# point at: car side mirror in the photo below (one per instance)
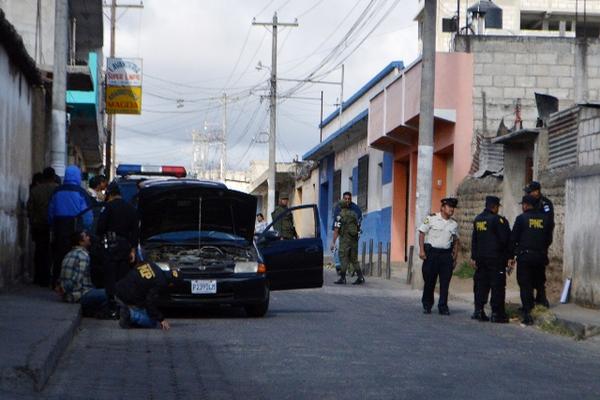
(269, 236)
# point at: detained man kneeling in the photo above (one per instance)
(75, 283)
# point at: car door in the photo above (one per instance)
(295, 263)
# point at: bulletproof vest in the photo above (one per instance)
(487, 231)
(349, 226)
(535, 228)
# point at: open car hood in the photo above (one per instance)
(174, 206)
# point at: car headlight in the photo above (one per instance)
(246, 267)
(164, 266)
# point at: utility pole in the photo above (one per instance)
(112, 120)
(426, 123)
(58, 150)
(224, 140)
(341, 97)
(273, 110)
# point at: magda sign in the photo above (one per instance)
(123, 100)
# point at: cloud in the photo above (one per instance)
(197, 43)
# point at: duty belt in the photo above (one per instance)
(432, 249)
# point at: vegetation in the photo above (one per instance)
(464, 271)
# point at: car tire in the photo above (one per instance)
(258, 310)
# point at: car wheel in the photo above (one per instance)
(257, 310)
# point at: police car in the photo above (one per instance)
(129, 177)
(205, 232)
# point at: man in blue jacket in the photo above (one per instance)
(68, 201)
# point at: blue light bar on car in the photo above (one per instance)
(137, 169)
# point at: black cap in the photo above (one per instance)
(450, 201)
(492, 201)
(528, 200)
(534, 185)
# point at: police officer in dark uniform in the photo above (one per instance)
(489, 250)
(438, 248)
(118, 225)
(284, 226)
(530, 239)
(140, 291)
(543, 204)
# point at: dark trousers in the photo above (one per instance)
(116, 266)
(41, 257)
(439, 263)
(490, 275)
(528, 267)
(62, 232)
(539, 284)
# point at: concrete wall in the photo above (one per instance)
(582, 253)
(506, 69)
(582, 227)
(23, 15)
(511, 10)
(16, 104)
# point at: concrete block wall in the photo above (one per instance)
(507, 69)
(588, 140)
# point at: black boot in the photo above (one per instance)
(360, 280)
(499, 318)
(527, 319)
(480, 315)
(342, 280)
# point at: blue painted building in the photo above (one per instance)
(347, 163)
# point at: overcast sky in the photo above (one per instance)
(195, 50)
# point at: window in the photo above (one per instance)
(337, 186)
(363, 182)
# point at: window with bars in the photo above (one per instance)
(363, 182)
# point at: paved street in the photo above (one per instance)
(334, 343)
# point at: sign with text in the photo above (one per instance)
(124, 71)
(123, 100)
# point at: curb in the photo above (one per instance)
(579, 330)
(40, 365)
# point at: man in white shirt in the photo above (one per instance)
(438, 248)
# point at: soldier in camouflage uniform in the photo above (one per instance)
(284, 226)
(347, 228)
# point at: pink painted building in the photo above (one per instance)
(393, 127)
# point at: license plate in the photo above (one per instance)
(204, 287)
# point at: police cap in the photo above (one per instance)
(450, 201)
(491, 201)
(534, 185)
(528, 200)
(284, 196)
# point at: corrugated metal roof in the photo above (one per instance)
(562, 138)
(488, 158)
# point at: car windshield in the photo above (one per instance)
(195, 236)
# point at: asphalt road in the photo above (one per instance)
(369, 342)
